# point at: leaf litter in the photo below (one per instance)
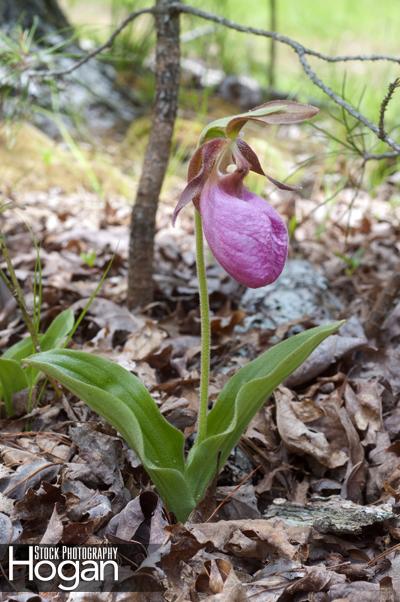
(307, 505)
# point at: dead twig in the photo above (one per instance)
(385, 102)
(107, 44)
(233, 492)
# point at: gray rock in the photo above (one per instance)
(302, 290)
(241, 89)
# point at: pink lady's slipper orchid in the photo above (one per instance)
(246, 235)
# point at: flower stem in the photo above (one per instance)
(205, 330)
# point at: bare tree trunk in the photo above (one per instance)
(47, 15)
(141, 246)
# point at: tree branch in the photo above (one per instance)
(385, 102)
(190, 10)
(313, 77)
(301, 51)
(107, 44)
(182, 8)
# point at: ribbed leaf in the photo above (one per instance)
(12, 380)
(20, 350)
(58, 330)
(242, 397)
(60, 327)
(124, 402)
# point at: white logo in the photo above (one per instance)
(69, 565)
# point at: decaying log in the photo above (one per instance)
(330, 515)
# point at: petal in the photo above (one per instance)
(274, 112)
(246, 235)
(199, 169)
(244, 155)
(191, 193)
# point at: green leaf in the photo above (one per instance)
(241, 398)
(124, 402)
(58, 330)
(53, 337)
(12, 380)
(20, 350)
(274, 112)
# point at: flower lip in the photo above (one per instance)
(246, 235)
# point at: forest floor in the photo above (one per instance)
(306, 507)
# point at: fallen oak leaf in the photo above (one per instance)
(78, 533)
(141, 521)
(299, 438)
(316, 579)
(37, 505)
(368, 592)
(85, 503)
(28, 475)
(219, 577)
(148, 339)
(258, 538)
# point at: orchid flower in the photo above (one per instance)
(246, 235)
(249, 239)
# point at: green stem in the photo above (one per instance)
(18, 294)
(205, 331)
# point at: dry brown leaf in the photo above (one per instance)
(214, 575)
(301, 439)
(6, 529)
(110, 316)
(256, 538)
(364, 404)
(141, 520)
(316, 579)
(26, 476)
(139, 345)
(354, 592)
(100, 453)
(82, 502)
(54, 530)
(223, 582)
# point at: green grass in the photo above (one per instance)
(345, 27)
(357, 26)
